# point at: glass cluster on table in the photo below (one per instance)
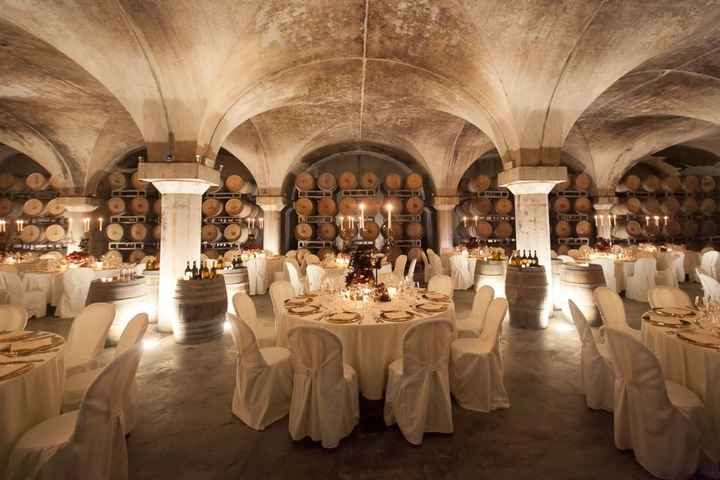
(709, 318)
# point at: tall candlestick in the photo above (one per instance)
(475, 218)
(362, 216)
(100, 224)
(86, 225)
(465, 221)
(261, 222)
(389, 209)
(647, 221)
(657, 221)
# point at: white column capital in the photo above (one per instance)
(271, 203)
(179, 177)
(445, 202)
(529, 180)
(192, 187)
(79, 204)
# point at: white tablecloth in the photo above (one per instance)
(336, 275)
(695, 367)
(623, 270)
(29, 399)
(50, 283)
(369, 347)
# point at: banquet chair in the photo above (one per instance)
(608, 267)
(85, 443)
(666, 271)
(315, 275)
(710, 263)
(325, 404)
(706, 249)
(436, 266)
(690, 263)
(596, 375)
(427, 268)
(663, 296)
(678, 263)
(76, 284)
(710, 286)
(461, 278)
(476, 372)
(639, 283)
(257, 275)
(263, 379)
(86, 339)
(471, 326)
(417, 396)
(34, 301)
(13, 317)
(291, 253)
(297, 280)
(612, 310)
(441, 284)
(398, 272)
(311, 259)
(661, 421)
(410, 277)
(279, 292)
(245, 309)
(76, 385)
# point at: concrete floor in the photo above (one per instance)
(187, 431)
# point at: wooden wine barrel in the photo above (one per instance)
(670, 206)
(396, 203)
(55, 208)
(689, 206)
(503, 206)
(138, 232)
(327, 181)
(479, 183)
(371, 231)
(484, 229)
(369, 181)
(674, 228)
(708, 206)
(415, 253)
(115, 232)
(200, 307)
(556, 266)
(672, 184)
(633, 228)
(492, 273)
(8, 181)
(210, 233)
(34, 208)
(326, 231)
(348, 206)
(619, 209)
(562, 205)
(583, 228)
(373, 205)
(212, 254)
(234, 231)
(347, 233)
(690, 228)
(708, 228)
(414, 231)
(324, 252)
(304, 207)
(37, 182)
(583, 205)
(117, 180)
(136, 183)
(305, 181)
(116, 206)
(326, 206)
(139, 206)
(234, 183)
(528, 296)
(10, 209)
(651, 183)
(393, 253)
(234, 207)
(691, 184)
(129, 299)
(136, 256)
(152, 293)
(396, 231)
(479, 207)
(632, 182)
(634, 205)
(304, 231)
(32, 234)
(347, 180)
(414, 205)
(577, 283)
(503, 229)
(582, 182)
(707, 184)
(563, 250)
(563, 229)
(651, 206)
(393, 181)
(414, 181)
(157, 233)
(54, 233)
(212, 207)
(562, 186)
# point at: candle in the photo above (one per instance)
(475, 218)
(657, 221)
(389, 209)
(614, 221)
(100, 224)
(465, 221)
(261, 222)
(86, 225)
(596, 220)
(666, 220)
(647, 221)
(362, 216)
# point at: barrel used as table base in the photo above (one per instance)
(527, 293)
(236, 281)
(200, 307)
(577, 283)
(128, 296)
(492, 273)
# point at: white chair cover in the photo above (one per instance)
(612, 310)
(76, 283)
(710, 263)
(608, 267)
(711, 287)
(311, 259)
(86, 443)
(427, 268)
(279, 292)
(690, 263)
(410, 277)
(596, 375)
(666, 270)
(417, 396)
(245, 309)
(297, 281)
(13, 317)
(566, 258)
(477, 367)
(394, 277)
(435, 264)
(263, 379)
(34, 301)
(315, 275)
(461, 278)
(291, 253)
(706, 249)
(678, 263)
(441, 284)
(257, 275)
(87, 336)
(471, 326)
(325, 404)
(668, 297)
(638, 284)
(661, 421)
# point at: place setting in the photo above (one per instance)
(17, 346)
(671, 317)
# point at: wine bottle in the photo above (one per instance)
(203, 271)
(220, 265)
(195, 271)
(188, 272)
(536, 261)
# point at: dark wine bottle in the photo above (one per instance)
(195, 271)
(188, 271)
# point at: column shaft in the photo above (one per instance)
(445, 229)
(272, 206)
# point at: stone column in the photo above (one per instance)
(76, 210)
(445, 205)
(181, 185)
(531, 186)
(603, 214)
(272, 205)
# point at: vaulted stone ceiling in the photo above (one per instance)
(597, 84)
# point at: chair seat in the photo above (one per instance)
(471, 346)
(275, 355)
(265, 334)
(52, 432)
(75, 386)
(467, 328)
(682, 398)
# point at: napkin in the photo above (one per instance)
(344, 316)
(298, 301)
(10, 370)
(701, 336)
(31, 345)
(396, 315)
(305, 309)
(653, 317)
(14, 336)
(432, 307)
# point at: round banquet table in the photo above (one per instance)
(693, 366)
(51, 283)
(29, 398)
(369, 345)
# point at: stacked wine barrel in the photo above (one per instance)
(669, 208)
(486, 211)
(571, 210)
